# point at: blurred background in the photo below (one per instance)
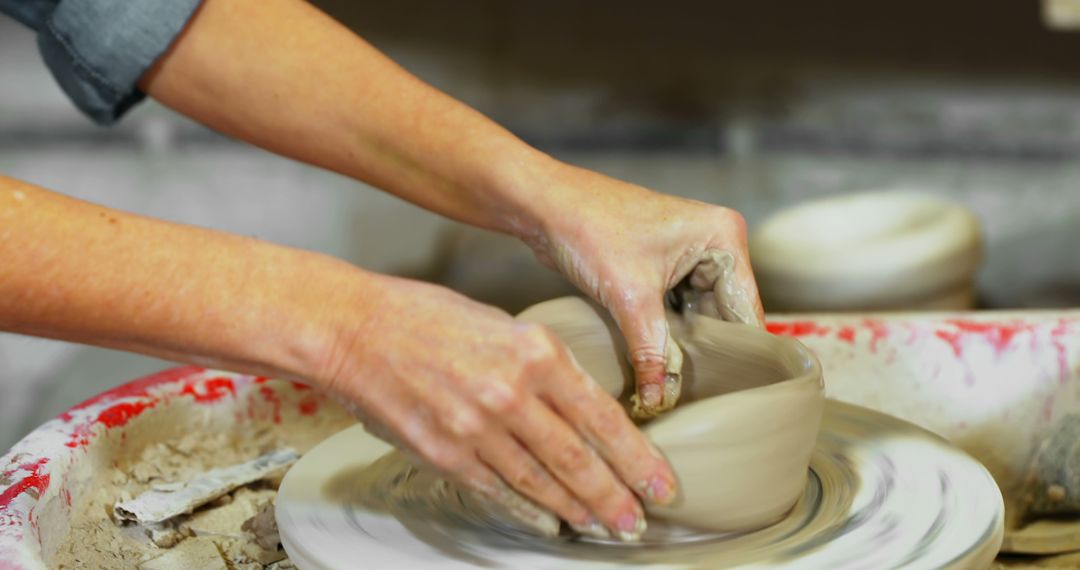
(753, 105)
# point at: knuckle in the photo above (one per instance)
(646, 355)
(465, 424)
(737, 221)
(501, 397)
(731, 218)
(539, 345)
(571, 458)
(608, 423)
(530, 479)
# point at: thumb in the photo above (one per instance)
(722, 288)
(656, 358)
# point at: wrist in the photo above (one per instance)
(526, 182)
(559, 200)
(304, 315)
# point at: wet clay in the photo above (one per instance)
(741, 437)
(710, 289)
(740, 440)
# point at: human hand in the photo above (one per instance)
(498, 406)
(626, 247)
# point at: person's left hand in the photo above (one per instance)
(626, 247)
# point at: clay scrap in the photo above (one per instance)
(167, 500)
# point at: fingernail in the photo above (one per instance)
(650, 395)
(630, 527)
(658, 490)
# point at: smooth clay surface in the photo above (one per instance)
(870, 251)
(740, 438)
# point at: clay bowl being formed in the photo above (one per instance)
(741, 437)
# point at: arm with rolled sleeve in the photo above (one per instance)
(485, 399)
(98, 49)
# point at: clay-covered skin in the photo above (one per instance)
(713, 289)
(741, 438)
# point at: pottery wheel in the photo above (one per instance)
(882, 493)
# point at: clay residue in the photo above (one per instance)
(239, 526)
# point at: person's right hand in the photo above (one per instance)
(490, 402)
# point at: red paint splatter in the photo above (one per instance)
(111, 417)
(952, 338)
(136, 388)
(309, 405)
(213, 389)
(35, 481)
(1056, 341)
(846, 333)
(998, 335)
(261, 379)
(300, 386)
(878, 332)
(797, 328)
(139, 390)
(120, 414)
(272, 398)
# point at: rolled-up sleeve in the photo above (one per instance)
(98, 49)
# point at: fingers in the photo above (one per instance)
(580, 470)
(724, 287)
(519, 469)
(499, 497)
(743, 284)
(605, 426)
(451, 436)
(656, 358)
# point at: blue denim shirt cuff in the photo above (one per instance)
(98, 49)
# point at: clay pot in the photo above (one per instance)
(869, 251)
(741, 438)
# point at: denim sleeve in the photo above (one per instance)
(98, 49)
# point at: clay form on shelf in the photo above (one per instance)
(892, 250)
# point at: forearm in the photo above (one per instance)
(76, 271)
(286, 77)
